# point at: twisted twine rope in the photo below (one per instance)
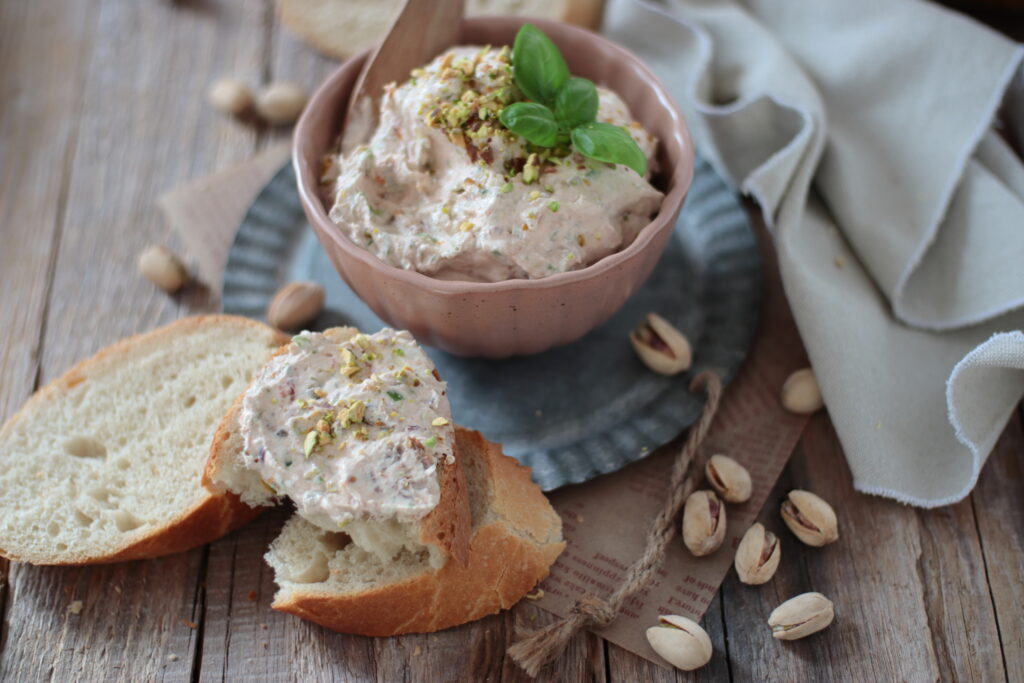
(535, 650)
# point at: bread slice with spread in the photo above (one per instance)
(356, 430)
(515, 537)
(105, 463)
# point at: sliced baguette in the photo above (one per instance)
(104, 464)
(516, 537)
(444, 530)
(341, 28)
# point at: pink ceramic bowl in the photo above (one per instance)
(515, 316)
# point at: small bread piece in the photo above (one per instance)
(516, 537)
(444, 530)
(104, 464)
(341, 28)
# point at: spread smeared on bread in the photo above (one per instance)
(349, 428)
(356, 430)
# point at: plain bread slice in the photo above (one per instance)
(105, 463)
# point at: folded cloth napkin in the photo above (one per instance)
(864, 130)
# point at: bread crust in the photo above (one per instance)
(510, 551)
(447, 526)
(212, 516)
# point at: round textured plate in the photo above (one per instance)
(573, 412)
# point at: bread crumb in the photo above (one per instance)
(417, 651)
(579, 518)
(538, 413)
(265, 645)
(263, 626)
(172, 658)
(251, 596)
(190, 624)
(117, 588)
(839, 262)
(75, 607)
(536, 595)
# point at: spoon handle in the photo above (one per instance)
(421, 31)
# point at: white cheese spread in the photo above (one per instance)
(442, 188)
(350, 428)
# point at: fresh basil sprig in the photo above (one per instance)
(564, 107)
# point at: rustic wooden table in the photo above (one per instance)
(101, 110)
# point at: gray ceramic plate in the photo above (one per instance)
(573, 412)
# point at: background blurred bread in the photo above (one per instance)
(342, 28)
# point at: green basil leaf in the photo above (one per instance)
(533, 121)
(576, 102)
(605, 142)
(537, 65)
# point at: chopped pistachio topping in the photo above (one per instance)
(310, 443)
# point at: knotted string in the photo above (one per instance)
(533, 651)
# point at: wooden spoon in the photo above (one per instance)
(421, 31)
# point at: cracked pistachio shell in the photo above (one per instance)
(661, 346)
(757, 556)
(680, 641)
(810, 518)
(703, 523)
(801, 616)
(801, 394)
(729, 478)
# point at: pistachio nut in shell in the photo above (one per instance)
(729, 478)
(160, 266)
(281, 103)
(801, 393)
(801, 616)
(703, 523)
(230, 96)
(295, 304)
(757, 556)
(661, 346)
(680, 641)
(810, 518)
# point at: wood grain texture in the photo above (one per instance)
(130, 92)
(40, 83)
(998, 504)
(906, 585)
(103, 111)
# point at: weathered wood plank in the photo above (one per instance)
(1000, 517)
(906, 585)
(142, 126)
(40, 84)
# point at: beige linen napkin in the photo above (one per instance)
(864, 131)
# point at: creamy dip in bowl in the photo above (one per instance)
(504, 313)
(443, 188)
